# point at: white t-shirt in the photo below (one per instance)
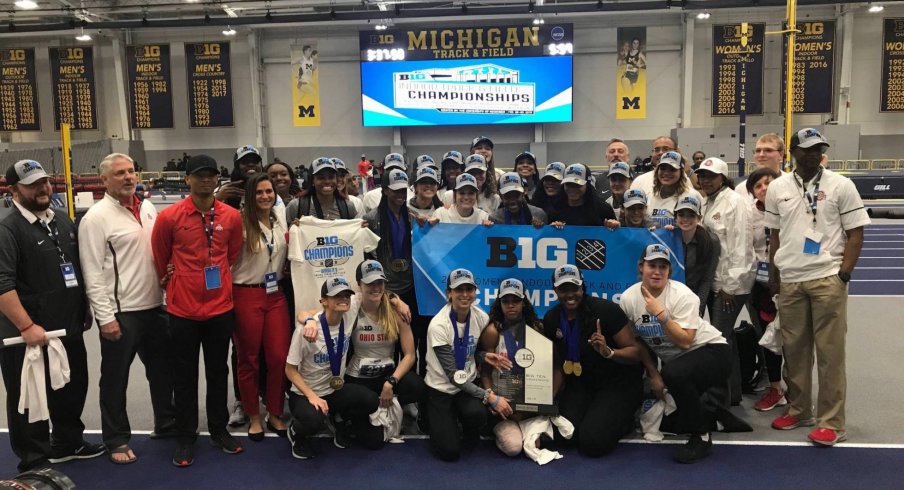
(312, 358)
(251, 267)
(838, 208)
(373, 355)
(322, 249)
(488, 204)
(661, 210)
(450, 215)
(684, 308)
(359, 205)
(440, 333)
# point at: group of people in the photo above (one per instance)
(352, 362)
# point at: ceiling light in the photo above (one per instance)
(539, 21)
(83, 36)
(26, 4)
(703, 15)
(875, 9)
(229, 31)
(230, 11)
(192, 1)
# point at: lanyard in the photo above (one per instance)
(811, 199)
(571, 336)
(208, 232)
(270, 244)
(334, 351)
(398, 236)
(511, 344)
(54, 234)
(459, 345)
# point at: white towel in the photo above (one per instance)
(651, 417)
(33, 394)
(391, 420)
(533, 428)
(59, 364)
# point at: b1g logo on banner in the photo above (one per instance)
(607, 259)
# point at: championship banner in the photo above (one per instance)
(735, 65)
(631, 74)
(18, 90)
(305, 85)
(209, 73)
(608, 259)
(814, 68)
(150, 86)
(891, 85)
(72, 83)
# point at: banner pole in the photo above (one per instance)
(789, 81)
(67, 168)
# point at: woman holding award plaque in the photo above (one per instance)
(598, 375)
(452, 396)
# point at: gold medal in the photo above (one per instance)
(578, 369)
(568, 367)
(337, 383)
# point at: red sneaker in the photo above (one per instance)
(771, 399)
(788, 422)
(827, 437)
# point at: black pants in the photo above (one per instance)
(601, 413)
(445, 412)
(33, 443)
(145, 333)
(688, 376)
(188, 338)
(410, 389)
(724, 321)
(760, 298)
(353, 403)
(419, 326)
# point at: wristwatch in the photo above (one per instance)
(392, 380)
(845, 276)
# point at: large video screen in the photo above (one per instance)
(467, 75)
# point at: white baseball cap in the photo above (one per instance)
(460, 277)
(634, 197)
(510, 182)
(453, 155)
(671, 158)
(511, 286)
(576, 173)
(25, 172)
(688, 202)
(426, 173)
(321, 164)
(398, 179)
(424, 161)
(620, 168)
(243, 151)
(370, 271)
(466, 180)
(655, 251)
(807, 138)
(394, 160)
(335, 285)
(567, 273)
(475, 161)
(714, 165)
(556, 170)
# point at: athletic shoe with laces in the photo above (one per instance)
(301, 445)
(827, 437)
(695, 450)
(773, 397)
(342, 437)
(184, 455)
(788, 422)
(85, 451)
(226, 442)
(238, 416)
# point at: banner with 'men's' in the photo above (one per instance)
(607, 259)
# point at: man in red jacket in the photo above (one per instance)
(202, 238)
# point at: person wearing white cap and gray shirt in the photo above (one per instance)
(817, 219)
(323, 199)
(463, 208)
(487, 198)
(483, 146)
(372, 197)
(620, 178)
(426, 200)
(669, 186)
(515, 210)
(597, 375)
(41, 290)
(451, 167)
(634, 212)
(343, 176)
(245, 161)
(550, 187)
(452, 396)
(694, 355)
(725, 214)
(702, 248)
(579, 204)
(526, 167)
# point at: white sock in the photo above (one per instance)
(705, 437)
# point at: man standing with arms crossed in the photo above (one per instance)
(122, 287)
(817, 219)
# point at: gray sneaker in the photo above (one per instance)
(238, 416)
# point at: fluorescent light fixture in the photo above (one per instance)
(229, 31)
(381, 6)
(875, 9)
(539, 21)
(26, 4)
(703, 15)
(83, 36)
(192, 1)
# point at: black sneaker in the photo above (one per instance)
(342, 437)
(301, 445)
(731, 422)
(695, 450)
(226, 442)
(85, 451)
(184, 455)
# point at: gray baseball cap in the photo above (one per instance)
(25, 172)
(567, 273)
(511, 286)
(808, 138)
(370, 271)
(460, 277)
(655, 251)
(335, 285)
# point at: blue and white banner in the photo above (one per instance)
(608, 259)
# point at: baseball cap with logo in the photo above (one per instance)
(394, 160)
(335, 285)
(200, 162)
(671, 158)
(244, 151)
(25, 172)
(339, 164)
(424, 161)
(370, 271)
(481, 139)
(808, 138)
(526, 154)
(460, 277)
(427, 173)
(655, 251)
(322, 164)
(465, 180)
(567, 273)
(511, 286)
(396, 179)
(714, 165)
(555, 170)
(453, 155)
(476, 162)
(634, 197)
(620, 168)
(576, 173)
(688, 202)
(510, 182)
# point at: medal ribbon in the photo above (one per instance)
(397, 229)
(333, 350)
(570, 334)
(459, 345)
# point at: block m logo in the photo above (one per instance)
(306, 111)
(628, 103)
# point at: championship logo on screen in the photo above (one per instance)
(478, 89)
(328, 251)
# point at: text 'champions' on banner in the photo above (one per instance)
(467, 75)
(891, 87)
(737, 79)
(814, 68)
(631, 74)
(209, 76)
(72, 79)
(150, 86)
(18, 90)
(305, 85)
(607, 259)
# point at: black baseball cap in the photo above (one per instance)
(200, 162)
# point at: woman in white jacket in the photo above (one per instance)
(726, 214)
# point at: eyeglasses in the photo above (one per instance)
(662, 149)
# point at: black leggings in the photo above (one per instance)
(353, 402)
(419, 326)
(688, 376)
(601, 414)
(445, 411)
(410, 389)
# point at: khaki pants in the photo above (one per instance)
(814, 313)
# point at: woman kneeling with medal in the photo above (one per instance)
(599, 383)
(452, 396)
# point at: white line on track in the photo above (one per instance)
(858, 268)
(883, 248)
(877, 280)
(870, 258)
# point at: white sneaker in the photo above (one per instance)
(238, 416)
